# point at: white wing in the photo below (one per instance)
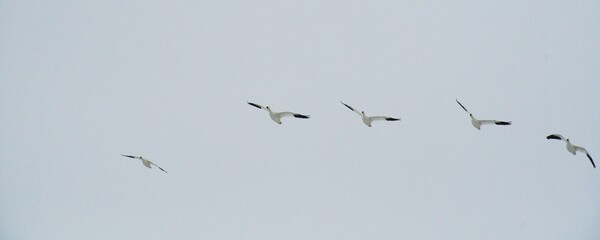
(290, 114)
(496, 122)
(158, 167)
(378, 118)
(582, 150)
(354, 110)
(285, 114)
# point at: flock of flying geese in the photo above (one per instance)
(367, 120)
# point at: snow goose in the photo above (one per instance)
(570, 147)
(146, 162)
(477, 123)
(276, 116)
(367, 119)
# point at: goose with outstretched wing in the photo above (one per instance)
(477, 123)
(369, 119)
(146, 162)
(573, 149)
(277, 116)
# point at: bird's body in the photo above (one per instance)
(277, 116)
(573, 149)
(146, 162)
(478, 123)
(367, 120)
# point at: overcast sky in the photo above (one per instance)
(82, 82)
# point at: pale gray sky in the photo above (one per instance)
(82, 82)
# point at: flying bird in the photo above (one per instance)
(146, 162)
(276, 116)
(570, 147)
(367, 119)
(477, 123)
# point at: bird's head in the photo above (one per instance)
(267, 107)
(363, 112)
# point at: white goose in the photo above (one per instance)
(146, 162)
(367, 119)
(276, 116)
(570, 147)
(477, 123)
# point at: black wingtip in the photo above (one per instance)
(127, 156)
(591, 160)
(392, 119)
(503, 123)
(553, 137)
(301, 116)
(347, 106)
(463, 107)
(255, 105)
